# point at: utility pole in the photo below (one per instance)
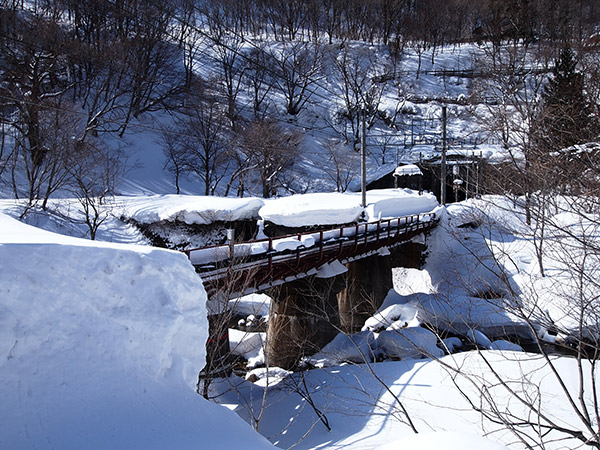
(443, 162)
(363, 159)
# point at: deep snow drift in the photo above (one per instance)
(100, 347)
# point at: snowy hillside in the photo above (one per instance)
(411, 129)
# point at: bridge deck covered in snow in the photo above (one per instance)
(257, 265)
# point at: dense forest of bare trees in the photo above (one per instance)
(395, 21)
(73, 71)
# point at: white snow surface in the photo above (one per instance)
(100, 345)
(331, 269)
(407, 170)
(252, 304)
(100, 348)
(365, 415)
(338, 208)
(345, 348)
(409, 342)
(190, 209)
(447, 440)
(246, 344)
(312, 209)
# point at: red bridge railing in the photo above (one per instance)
(259, 264)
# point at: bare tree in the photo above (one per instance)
(202, 135)
(174, 149)
(286, 18)
(299, 66)
(34, 81)
(95, 174)
(345, 162)
(514, 108)
(272, 150)
(261, 78)
(228, 50)
(359, 89)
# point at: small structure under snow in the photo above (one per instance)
(407, 170)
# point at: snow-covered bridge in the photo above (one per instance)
(242, 268)
(313, 305)
(330, 278)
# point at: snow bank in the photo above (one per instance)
(402, 314)
(387, 203)
(345, 348)
(247, 345)
(191, 209)
(252, 304)
(337, 208)
(312, 209)
(408, 343)
(100, 347)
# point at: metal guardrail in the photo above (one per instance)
(257, 265)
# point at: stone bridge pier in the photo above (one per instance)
(303, 318)
(369, 281)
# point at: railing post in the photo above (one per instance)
(321, 243)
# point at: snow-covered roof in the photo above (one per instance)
(407, 170)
